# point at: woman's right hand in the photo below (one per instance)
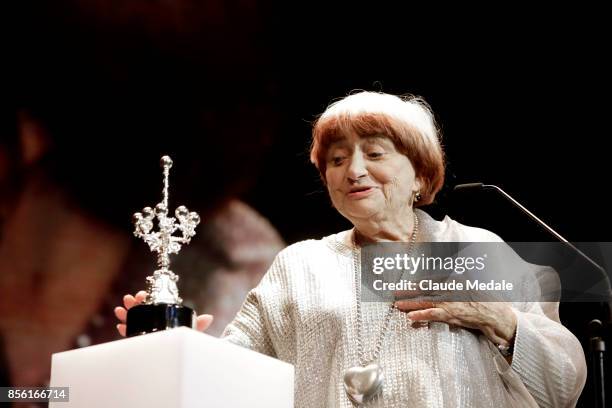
(129, 301)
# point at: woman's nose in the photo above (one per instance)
(356, 168)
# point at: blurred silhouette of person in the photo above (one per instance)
(99, 92)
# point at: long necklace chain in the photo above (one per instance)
(363, 361)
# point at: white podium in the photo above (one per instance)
(178, 368)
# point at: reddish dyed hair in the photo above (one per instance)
(408, 122)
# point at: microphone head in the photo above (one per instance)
(468, 186)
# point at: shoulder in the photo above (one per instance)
(313, 248)
(450, 230)
(472, 234)
(304, 261)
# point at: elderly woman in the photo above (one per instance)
(380, 157)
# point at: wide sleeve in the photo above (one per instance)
(261, 317)
(548, 358)
(248, 329)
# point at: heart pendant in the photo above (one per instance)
(362, 383)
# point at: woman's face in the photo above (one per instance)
(367, 178)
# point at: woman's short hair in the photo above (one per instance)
(408, 121)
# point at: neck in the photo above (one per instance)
(386, 230)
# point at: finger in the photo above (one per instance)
(141, 296)
(490, 333)
(129, 301)
(203, 322)
(435, 314)
(407, 305)
(121, 313)
(407, 294)
(422, 295)
(121, 329)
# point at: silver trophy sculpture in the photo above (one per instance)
(162, 308)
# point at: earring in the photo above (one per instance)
(417, 197)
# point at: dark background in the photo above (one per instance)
(521, 103)
(521, 98)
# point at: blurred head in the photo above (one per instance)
(113, 87)
(376, 151)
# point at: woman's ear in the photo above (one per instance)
(418, 184)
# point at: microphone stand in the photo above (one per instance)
(597, 345)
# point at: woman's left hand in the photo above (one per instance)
(496, 320)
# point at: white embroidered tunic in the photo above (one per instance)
(304, 312)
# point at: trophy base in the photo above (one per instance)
(142, 319)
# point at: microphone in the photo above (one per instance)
(481, 186)
(468, 186)
(596, 341)
(600, 269)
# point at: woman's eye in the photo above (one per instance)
(337, 160)
(375, 155)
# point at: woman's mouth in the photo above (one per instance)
(359, 192)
